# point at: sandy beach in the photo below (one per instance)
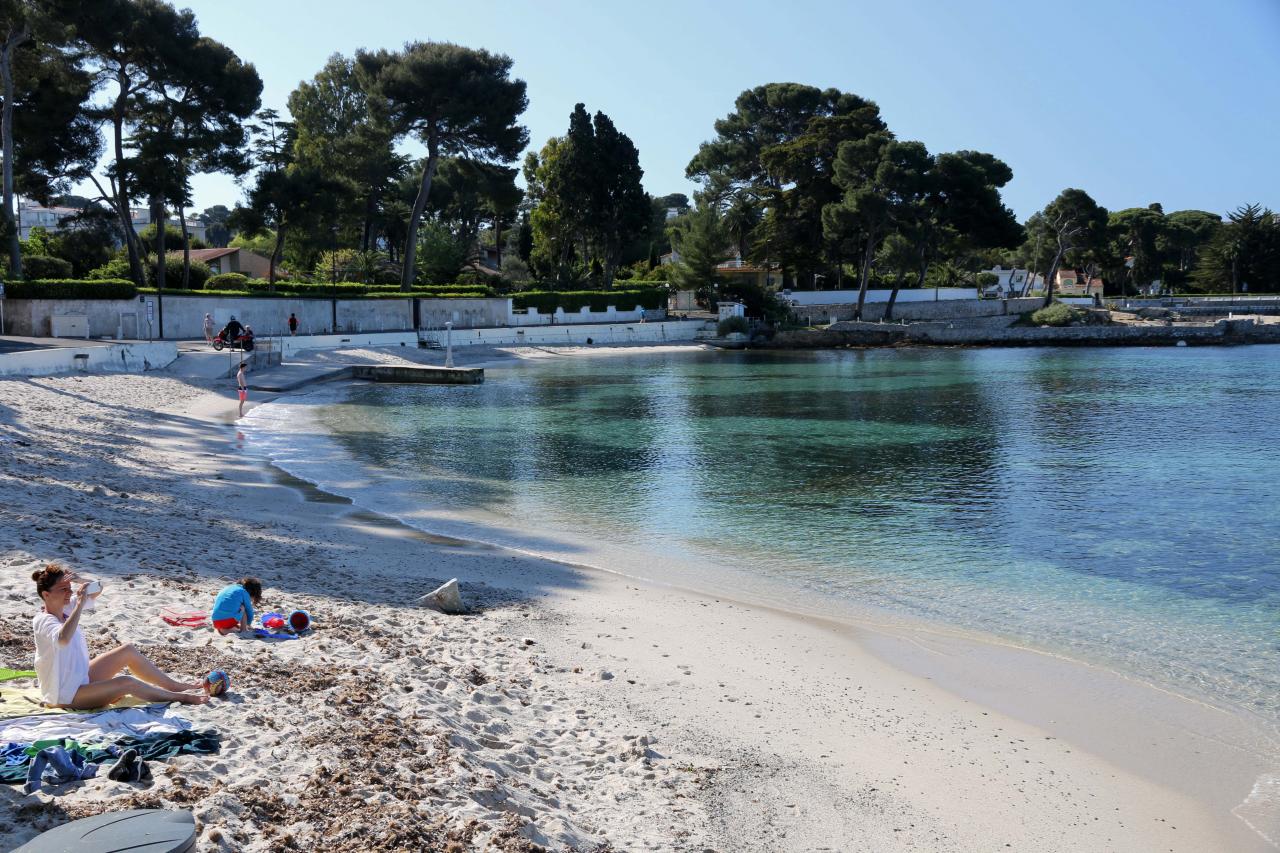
(572, 709)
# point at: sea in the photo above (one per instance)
(1120, 506)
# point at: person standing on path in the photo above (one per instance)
(242, 389)
(293, 323)
(208, 328)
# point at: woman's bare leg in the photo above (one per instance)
(98, 694)
(109, 664)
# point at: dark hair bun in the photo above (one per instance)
(36, 575)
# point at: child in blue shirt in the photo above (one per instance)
(233, 608)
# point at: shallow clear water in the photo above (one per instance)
(1119, 505)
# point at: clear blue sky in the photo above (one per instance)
(1134, 102)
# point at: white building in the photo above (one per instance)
(1011, 282)
(32, 215)
(141, 217)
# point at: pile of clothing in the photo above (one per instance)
(57, 748)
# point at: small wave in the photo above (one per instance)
(1260, 811)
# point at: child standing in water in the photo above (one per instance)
(242, 389)
(233, 608)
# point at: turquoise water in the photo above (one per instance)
(1119, 505)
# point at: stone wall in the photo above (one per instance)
(108, 318)
(946, 309)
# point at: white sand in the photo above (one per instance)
(575, 709)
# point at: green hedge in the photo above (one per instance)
(547, 301)
(227, 281)
(42, 268)
(71, 288)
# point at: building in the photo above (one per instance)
(32, 215)
(1011, 283)
(242, 261)
(735, 270)
(1070, 282)
(141, 217)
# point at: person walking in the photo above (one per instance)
(242, 388)
(208, 328)
(293, 323)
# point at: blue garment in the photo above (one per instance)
(56, 766)
(14, 753)
(230, 601)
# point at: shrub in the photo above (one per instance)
(39, 267)
(547, 301)
(1057, 314)
(116, 268)
(227, 281)
(200, 272)
(729, 325)
(71, 289)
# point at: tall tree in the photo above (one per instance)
(132, 47)
(47, 139)
(1136, 236)
(700, 240)
(337, 132)
(882, 179)
(779, 146)
(1244, 254)
(1072, 223)
(215, 219)
(619, 205)
(952, 209)
(455, 100)
(1187, 232)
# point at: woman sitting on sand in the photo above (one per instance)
(68, 679)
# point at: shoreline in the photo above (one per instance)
(795, 728)
(1071, 696)
(1099, 709)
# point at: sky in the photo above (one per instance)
(1135, 102)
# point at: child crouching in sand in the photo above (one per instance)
(233, 608)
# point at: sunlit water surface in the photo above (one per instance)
(1118, 505)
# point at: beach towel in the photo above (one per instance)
(184, 619)
(273, 635)
(26, 701)
(7, 674)
(89, 728)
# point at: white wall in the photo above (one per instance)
(291, 345)
(532, 317)
(577, 334)
(118, 358)
(843, 297)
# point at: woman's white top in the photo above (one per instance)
(61, 670)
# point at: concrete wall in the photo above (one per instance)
(184, 315)
(804, 298)
(108, 358)
(532, 317)
(464, 313)
(290, 345)
(108, 318)
(602, 334)
(953, 309)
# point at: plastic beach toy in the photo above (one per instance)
(299, 621)
(273, 621)
(216, 683)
